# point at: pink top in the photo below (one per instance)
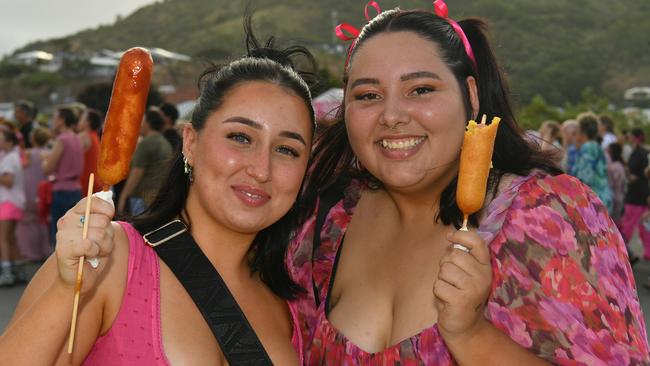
(135, 337)
(68, 169)
(562, 284)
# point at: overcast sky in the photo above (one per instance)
(23, 21)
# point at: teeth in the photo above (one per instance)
(401, 144)
(253, 196)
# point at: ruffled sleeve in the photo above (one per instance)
(562, 283)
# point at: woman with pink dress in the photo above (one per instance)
(542, 276)
(617, 180)
(229, 203)
(31, 232)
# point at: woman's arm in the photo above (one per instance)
(7, 180)
(486, 345)
(84, 137)
(38, 331)
(52, 159)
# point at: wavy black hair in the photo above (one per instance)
(334, 160)
(262, 62)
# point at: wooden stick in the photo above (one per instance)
(80, 270)
(465, 219)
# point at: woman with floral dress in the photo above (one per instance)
(541, 277)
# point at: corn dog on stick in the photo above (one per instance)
(475, 164)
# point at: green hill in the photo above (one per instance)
(555, 48)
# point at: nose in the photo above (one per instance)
(394, 113)
(260, 167)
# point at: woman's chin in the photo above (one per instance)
(401, 181)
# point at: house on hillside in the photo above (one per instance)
(102, 64)
(45, 61)
(637, 97)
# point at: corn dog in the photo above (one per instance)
(475, 164)
(125, 111)
(121, 131)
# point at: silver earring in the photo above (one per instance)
(187, 168)
(357, 164)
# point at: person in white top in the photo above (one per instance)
(606, 131)
(12, 201)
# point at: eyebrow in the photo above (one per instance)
(258, 126)
(405, 77)
(363, 81)
(419, 74)
(293, 135)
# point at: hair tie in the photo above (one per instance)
(442, 11)
(347, 32)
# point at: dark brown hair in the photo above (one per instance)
(334, 160)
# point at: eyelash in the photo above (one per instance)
(366, 96)
(423, 89)
(245, 139)
(288, 151)
(239, 137)
(372, 96)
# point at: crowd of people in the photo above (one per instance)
(45, 168)
(267, 243)
(614, 165)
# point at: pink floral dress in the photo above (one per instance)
(562, 284)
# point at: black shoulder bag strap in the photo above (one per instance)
(325, 203)
(203, 283)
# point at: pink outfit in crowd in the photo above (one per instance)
(135, 336)
(10, 212)
(31, 233)
(632, 220)
(618, 184)
(70, 165)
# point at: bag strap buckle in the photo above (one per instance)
(164, 233)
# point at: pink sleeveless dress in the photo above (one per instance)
(135, 337)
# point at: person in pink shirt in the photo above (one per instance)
(236, 188)
(31, 232)
(65, 162)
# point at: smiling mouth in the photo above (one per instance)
(401, 144)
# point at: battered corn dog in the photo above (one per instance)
(125, 111)
(475, 164)
(121, 131)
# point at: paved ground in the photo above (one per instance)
(9, 296)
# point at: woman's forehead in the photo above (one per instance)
(395, 55)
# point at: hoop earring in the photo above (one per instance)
(188, 169)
